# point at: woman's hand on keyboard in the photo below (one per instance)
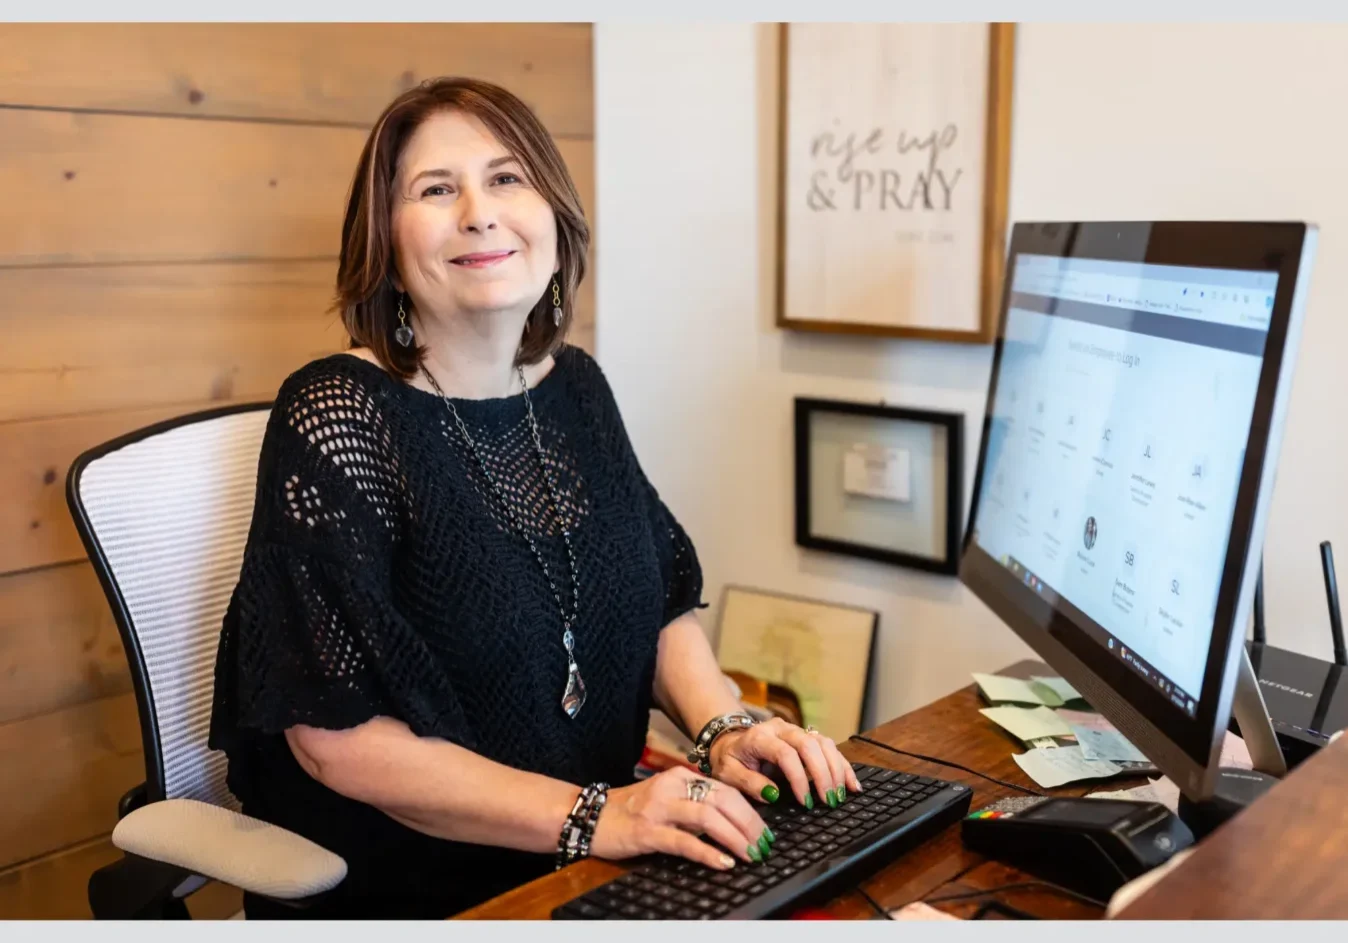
(804, 757)
(658, 815)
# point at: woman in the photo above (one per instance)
(461, 596)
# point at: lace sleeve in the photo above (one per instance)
(313, 634)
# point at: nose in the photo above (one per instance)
(476, 212)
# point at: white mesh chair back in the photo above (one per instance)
(166, 515)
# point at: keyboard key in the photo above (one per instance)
(788, 871)
(905, 779)
(722, 893)
(738, 899)
(923, 781)
(721, 910)
(720, 877)
(829, 848)
(705, 903)
(631, 911)
(683, 898)
(865, 816)
(628, 879)
(668, 908)
(743, 882)
(796, 854)
(648, 900)
(687, 913)
(702, 888)
(883, 776)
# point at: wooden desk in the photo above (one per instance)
(951, 729)
(1283, 858)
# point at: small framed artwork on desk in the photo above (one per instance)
(820, 650)
(880, 482)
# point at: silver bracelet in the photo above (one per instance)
(701, 752)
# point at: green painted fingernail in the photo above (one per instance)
(755, 855)
(842, 793)
(770, 793)
(809, 800)
(831, 798)
(771, 837)
(764, 846)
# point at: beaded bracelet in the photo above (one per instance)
(578, 830)
(700, 754)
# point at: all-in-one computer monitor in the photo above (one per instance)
(1137, 400)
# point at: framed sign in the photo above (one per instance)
(894, 159)
(880, 482)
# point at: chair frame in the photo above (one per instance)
(112, 888)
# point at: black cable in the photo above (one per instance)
(873, 902)
(940, 762)
(1018, 885)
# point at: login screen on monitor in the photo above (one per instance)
(1115, 447)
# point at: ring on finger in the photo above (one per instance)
(699, 789)
(811, 728)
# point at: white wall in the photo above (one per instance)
(1110, 122)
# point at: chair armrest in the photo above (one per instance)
(230, 847)
(133, 799)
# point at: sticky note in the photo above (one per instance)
(999, 689)
(1027, 723)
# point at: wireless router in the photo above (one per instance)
(1307, 698)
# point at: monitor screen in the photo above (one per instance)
(1114, 449)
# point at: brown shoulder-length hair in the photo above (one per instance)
(366, 297)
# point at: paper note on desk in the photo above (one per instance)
(917, 910)
(1028, 723)
(1158, 790)
(1061, 765)
(1235, 753)
(1106, 745)
(999, 689)
(1059, 686)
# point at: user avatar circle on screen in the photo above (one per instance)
(1091, 532)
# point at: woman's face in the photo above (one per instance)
(470, 234)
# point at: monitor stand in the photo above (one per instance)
(1236, 788)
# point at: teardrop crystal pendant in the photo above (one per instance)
(574, 698)
(403, 335)
(557, 316)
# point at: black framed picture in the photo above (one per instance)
(880, 482)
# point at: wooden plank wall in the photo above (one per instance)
(168, 237)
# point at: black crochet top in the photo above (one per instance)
(381, 578)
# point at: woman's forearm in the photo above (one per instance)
(689, 685)
(434, 786)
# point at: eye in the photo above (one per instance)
(508, 178)
(438, 189)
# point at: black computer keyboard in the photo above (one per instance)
(815, 853)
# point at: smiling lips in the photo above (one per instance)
(482, 259)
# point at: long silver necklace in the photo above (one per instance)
(573, 698)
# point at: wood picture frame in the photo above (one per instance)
(865, 272)
(919, 529)
(822, 651)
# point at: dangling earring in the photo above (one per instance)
(403, 334)
(556, 304)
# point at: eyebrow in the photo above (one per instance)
(440, 172)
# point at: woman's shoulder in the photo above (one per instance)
(336, 381)
(341, 391)
(582, 370)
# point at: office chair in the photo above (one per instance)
(164, 514)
